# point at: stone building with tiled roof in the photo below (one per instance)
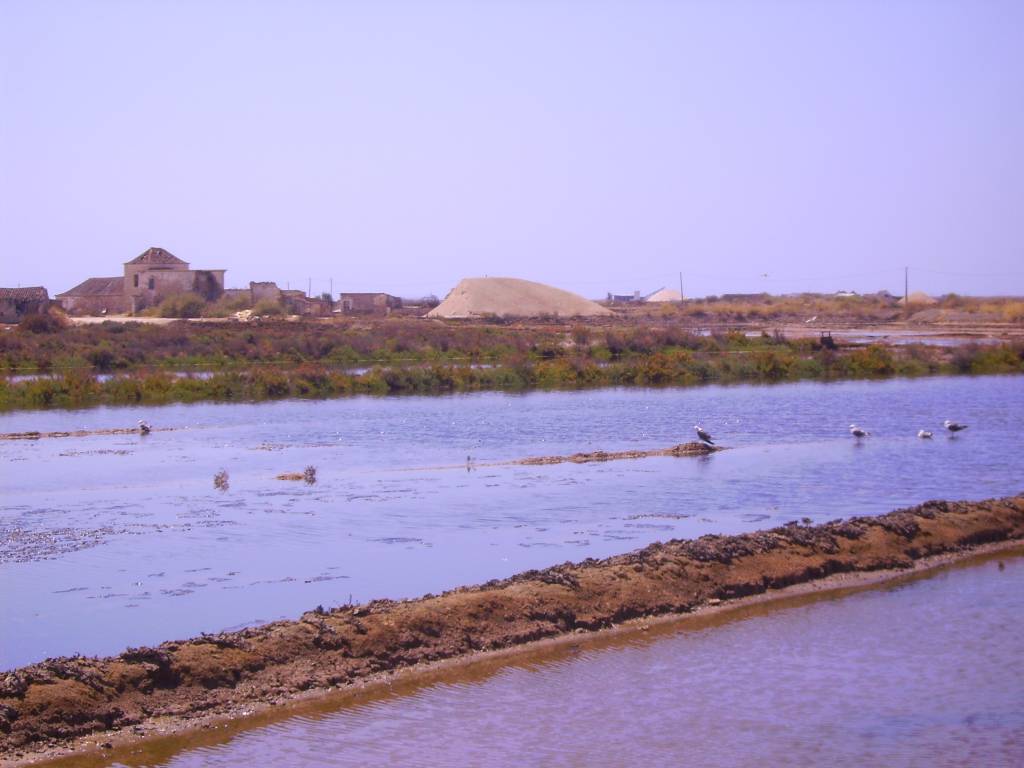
(15, 303)
(148, 279)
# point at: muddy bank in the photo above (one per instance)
(80, 433)
(683, 449)
(178, 683)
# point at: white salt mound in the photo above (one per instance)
(510, 297)
(663, 295)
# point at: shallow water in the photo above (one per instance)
(923, 673)
(111, 541)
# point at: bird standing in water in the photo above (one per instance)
(858, 432)
(924, 433)
(144, 428)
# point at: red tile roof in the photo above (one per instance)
(36, 293)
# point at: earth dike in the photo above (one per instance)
(50, 705)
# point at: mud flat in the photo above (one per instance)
(78, 433)
(76, 701)
(683, 449)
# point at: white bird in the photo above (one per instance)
(924, 433)
(858, 432)
(703, 435)
(953, 426)
(811, 319)
(144, 428)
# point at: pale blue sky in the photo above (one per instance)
(596, 146)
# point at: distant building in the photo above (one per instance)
(148, 279)
(264, 291)
(294, 302)
(845, 294)
(623, 297)
(368, 303)
(298, 303)
(15, 303)
(95, 296)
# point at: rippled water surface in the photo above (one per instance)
(926, 673)
(110, 541)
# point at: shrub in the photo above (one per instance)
(182, 305)
(40, 323)
(873, 360)
(102, 357)
(268, 307)
(225, 306)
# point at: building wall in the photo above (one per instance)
(261, 291)
(12, 310)
(298, 303)
(208, 283)
(147, 284)
(155, 285)
(371, 303)
(111, 303)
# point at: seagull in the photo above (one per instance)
(703, 435)
(924, 433)
(144, 428)
(858, 432)
(811, 319)
(953, 426)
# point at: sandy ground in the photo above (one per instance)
(47, 708)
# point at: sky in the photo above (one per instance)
(597, 146)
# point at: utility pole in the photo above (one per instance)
(680, 287)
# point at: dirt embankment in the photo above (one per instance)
(50, 703)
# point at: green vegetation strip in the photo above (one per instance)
(673, 366)
(123, 364)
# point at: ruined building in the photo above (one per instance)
(148, 279)
(15, 303)
(369, 303)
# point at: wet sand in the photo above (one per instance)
(46, 707)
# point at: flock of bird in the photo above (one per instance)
(951, 426)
